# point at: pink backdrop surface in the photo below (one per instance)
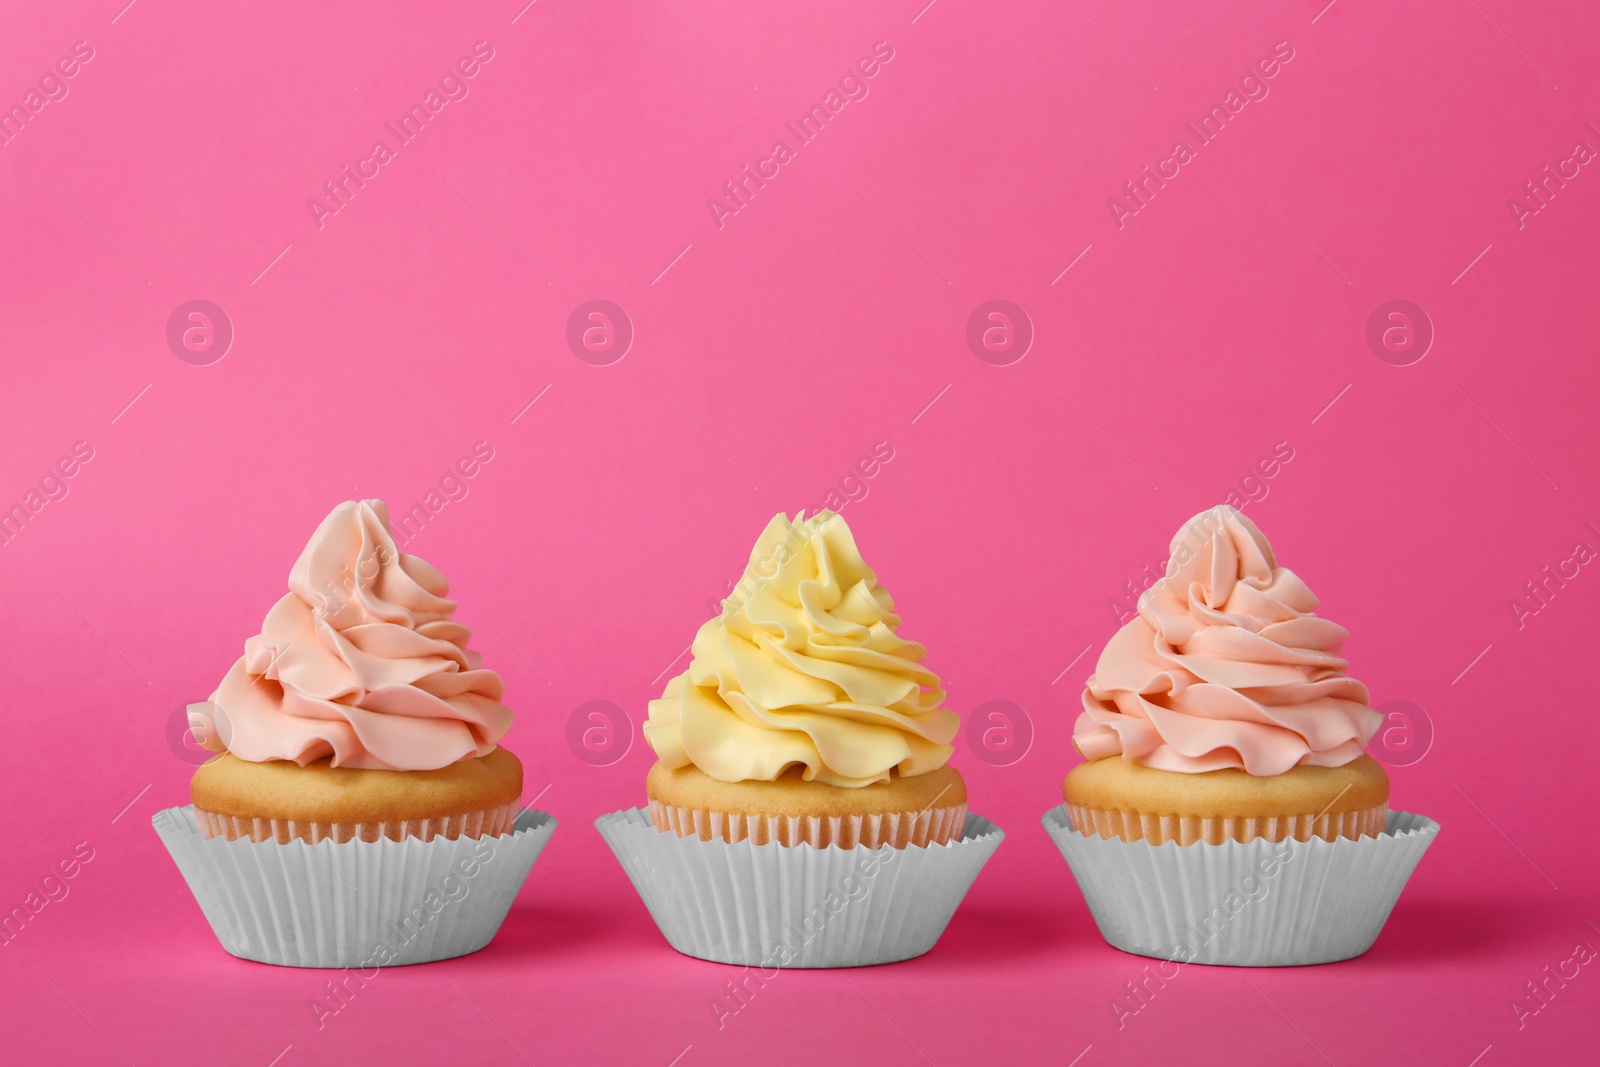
(1176, 341)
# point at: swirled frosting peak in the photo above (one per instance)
(1226, 665)
(360, 661)
(803, 668)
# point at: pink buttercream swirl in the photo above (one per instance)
(1226, 666)
(360, 661)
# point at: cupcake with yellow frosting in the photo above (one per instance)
(1220, 730)
(806, 736)
(804, 716)
(359, 726)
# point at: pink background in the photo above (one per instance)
(1225, 316)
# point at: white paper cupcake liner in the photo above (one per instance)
(363, 904)
(1244, 903)
(776, 906)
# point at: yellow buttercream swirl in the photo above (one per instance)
(804, 668)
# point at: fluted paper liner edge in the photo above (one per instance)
(775, 906)
(1245, 904)
(353, 903)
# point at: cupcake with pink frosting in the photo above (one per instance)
(1223, 710)
(358, 722)
(1220, 723)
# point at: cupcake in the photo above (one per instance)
(1220, 722)
(359, 723)
(806, 740)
